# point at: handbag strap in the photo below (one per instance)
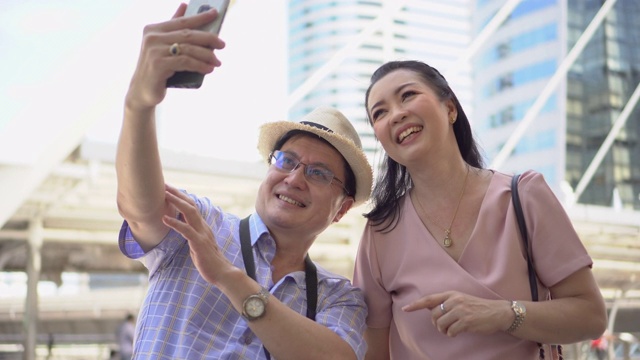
(533, 283)
(310, 272)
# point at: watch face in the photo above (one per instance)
(254, 307)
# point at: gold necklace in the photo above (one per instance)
(448, 241)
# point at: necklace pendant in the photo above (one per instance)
(447, 239)
(447, 242)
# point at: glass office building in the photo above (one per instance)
(516, 64)
(347, 40)
(334, 46)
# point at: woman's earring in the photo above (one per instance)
(452, 120)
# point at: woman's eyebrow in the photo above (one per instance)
(398, 90)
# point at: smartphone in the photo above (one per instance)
(190, 79)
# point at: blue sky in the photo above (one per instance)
(67, 63)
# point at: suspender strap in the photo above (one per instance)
(247, 253)
(310, 272)
(311, 280)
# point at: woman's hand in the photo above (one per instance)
(453, 312)
(575, 313)
(157, 63)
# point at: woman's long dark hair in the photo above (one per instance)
(393, 180)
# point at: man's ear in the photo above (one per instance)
(347, 203)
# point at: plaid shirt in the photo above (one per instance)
(185, 317)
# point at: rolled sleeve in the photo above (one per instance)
(344, 312)
(556, 248)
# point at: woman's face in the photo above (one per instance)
(409, 119)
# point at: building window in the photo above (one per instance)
(504, 50)
(505, 82)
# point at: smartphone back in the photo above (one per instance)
(190, 79)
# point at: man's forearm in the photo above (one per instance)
(284, 332)
(139, 171)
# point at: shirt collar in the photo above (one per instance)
(257, 228)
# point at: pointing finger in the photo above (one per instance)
(427, 302)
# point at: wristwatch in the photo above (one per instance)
(520, 312)
(254, 306)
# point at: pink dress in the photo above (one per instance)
(401, 266)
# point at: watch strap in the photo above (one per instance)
(264, 294)
(517, 322)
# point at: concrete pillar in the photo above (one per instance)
(626, 350)
(620, 294)
(34, 265)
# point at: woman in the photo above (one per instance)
(441, 261)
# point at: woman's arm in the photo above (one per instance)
(576, 312)
(377, 343)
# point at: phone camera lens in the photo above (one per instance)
(203, 8)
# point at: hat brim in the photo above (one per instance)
(271, 132)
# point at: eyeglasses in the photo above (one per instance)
(286, 162)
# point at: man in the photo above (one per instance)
(124, 336)
(203, 301)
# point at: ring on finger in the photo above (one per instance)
(174, 49)
(442, 308)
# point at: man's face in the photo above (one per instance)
(292, 202)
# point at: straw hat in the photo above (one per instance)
(331, 125)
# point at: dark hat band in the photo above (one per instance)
(316, 125)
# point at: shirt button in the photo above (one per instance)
(248, 340)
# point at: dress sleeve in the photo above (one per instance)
(557, 250)
(367, 276)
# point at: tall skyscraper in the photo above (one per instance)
(517, 65)
(334, 46)
(347, 40)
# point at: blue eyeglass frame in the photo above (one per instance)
(273, 157)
